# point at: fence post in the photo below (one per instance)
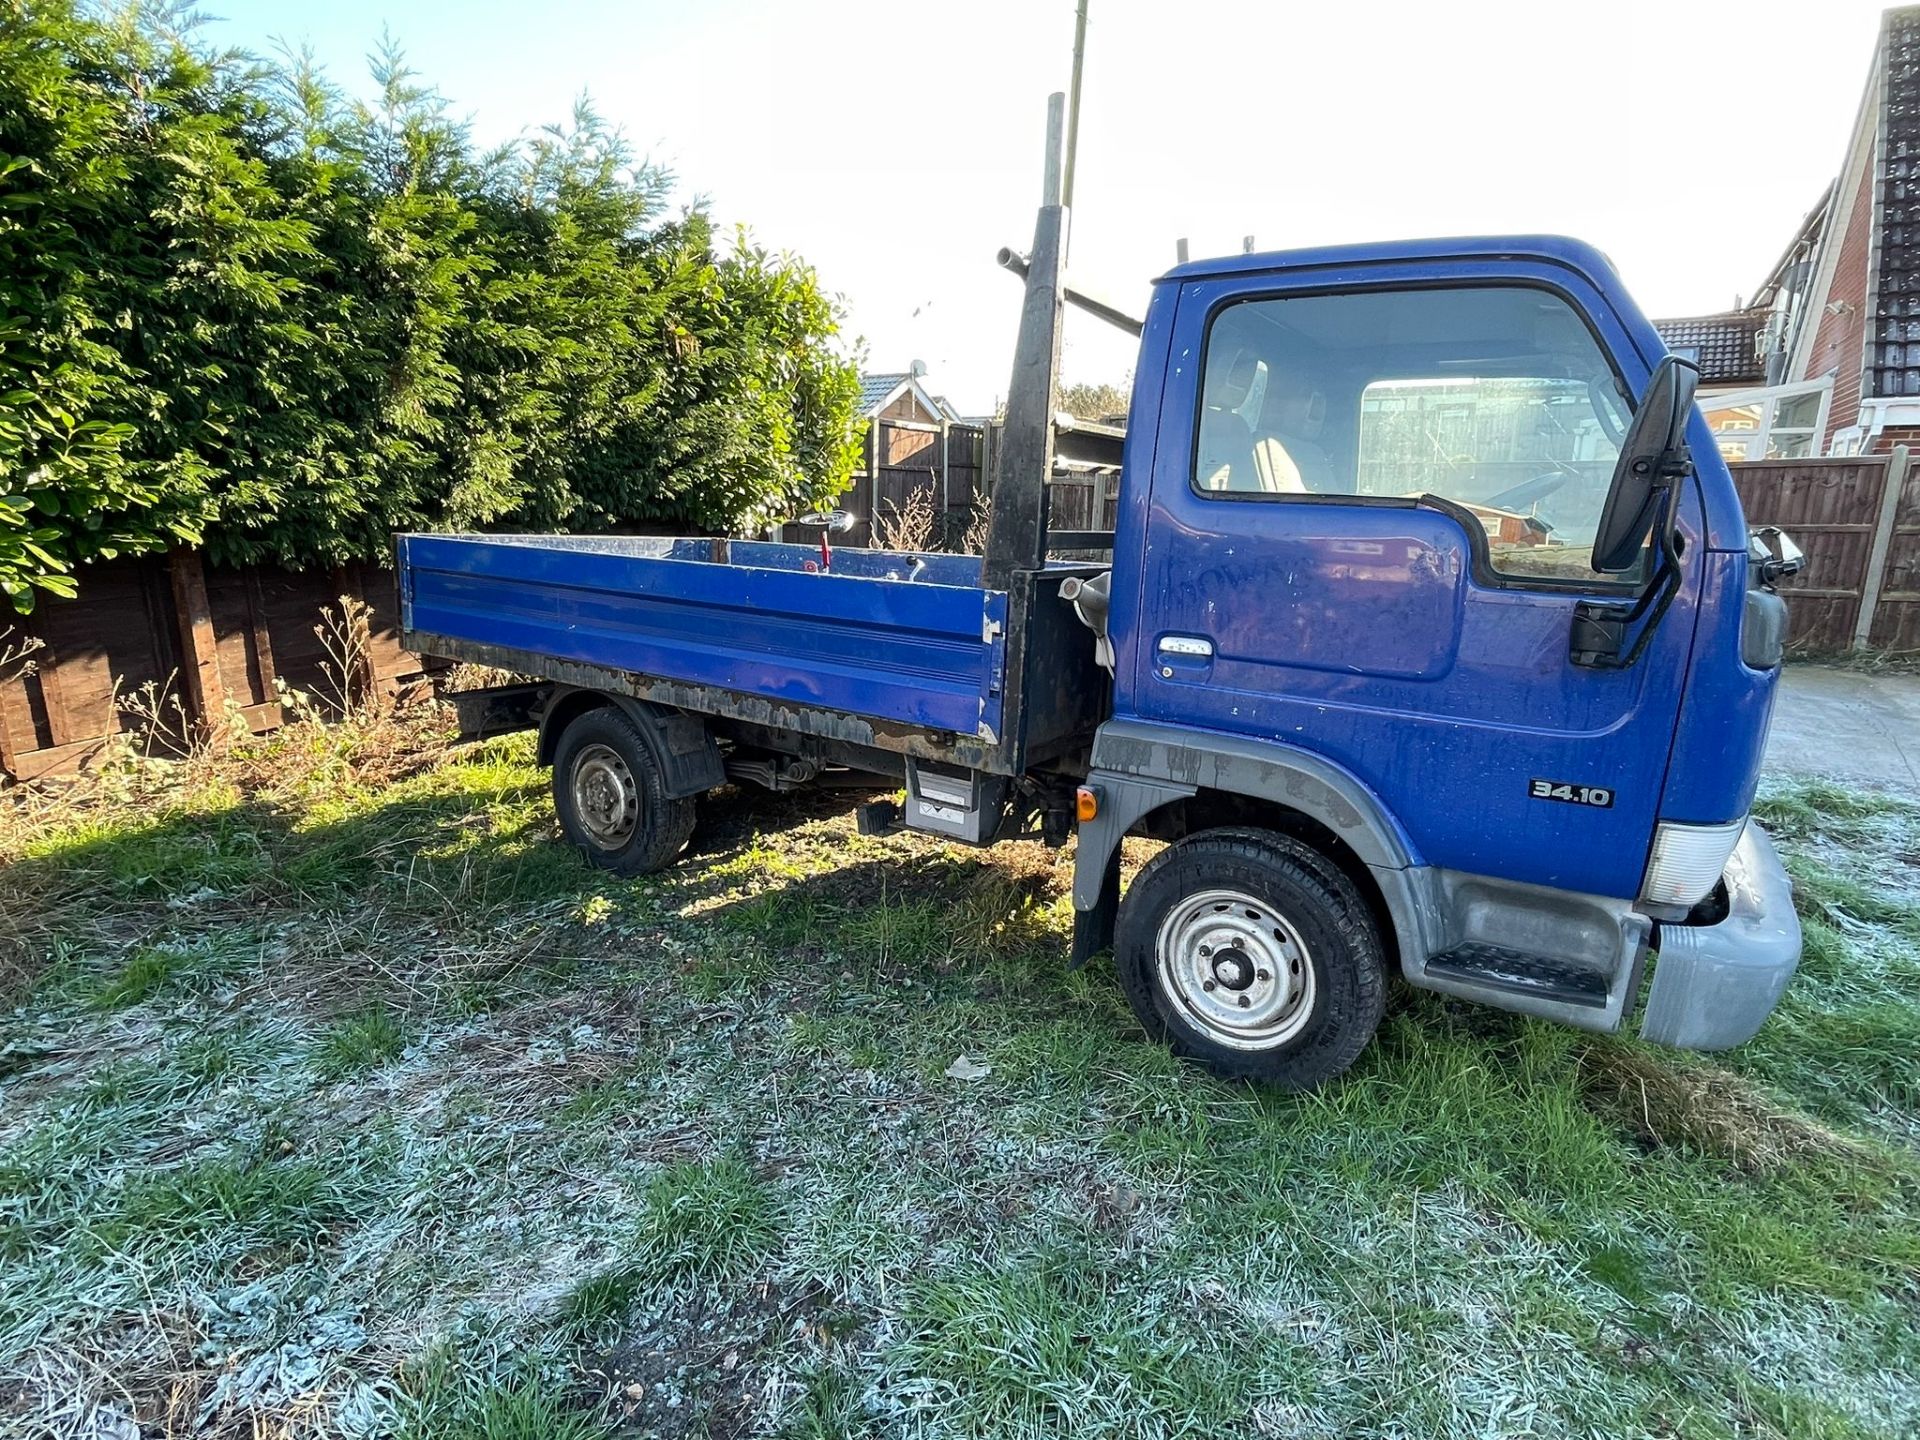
(206, 691)
(873, 481)
(1875, 579)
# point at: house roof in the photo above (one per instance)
(878, 390)
(1893, 369)
(1723, 344)
(1860, 305)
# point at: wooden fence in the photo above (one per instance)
(948, 463)
(1858, 520)
(952, 465)
(166, 643)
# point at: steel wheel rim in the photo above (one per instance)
(1236, 968)
(605, 796)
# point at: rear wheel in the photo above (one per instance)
(1253, 955)
(611, 799)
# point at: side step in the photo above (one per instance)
(1510, 972)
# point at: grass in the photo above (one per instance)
(529, 1409)
(706, 1219)
(359, 1042)
(336, 1094)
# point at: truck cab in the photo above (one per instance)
(1355, 604)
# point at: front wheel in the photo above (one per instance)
(1252, 955)
(611, 798)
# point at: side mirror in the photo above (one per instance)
(1652, 457)
(1772, 555)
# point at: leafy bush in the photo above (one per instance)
(239, 309)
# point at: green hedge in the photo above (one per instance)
(242, 311)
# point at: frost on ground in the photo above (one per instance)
(337, 1097)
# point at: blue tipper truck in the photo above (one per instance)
(1430, 635)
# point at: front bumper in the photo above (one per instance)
(1715, 985)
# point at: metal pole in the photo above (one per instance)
(1011, 259)
(1050, 177)
(1180, 250)
(1073, 99)
(1017, 527)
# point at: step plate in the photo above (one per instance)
(1513, 973)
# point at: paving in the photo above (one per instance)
(1855, 725)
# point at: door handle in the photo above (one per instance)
(1190, 645)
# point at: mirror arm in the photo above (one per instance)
(1594, 620)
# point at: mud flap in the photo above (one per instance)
(1093, 928)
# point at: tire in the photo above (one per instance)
(611, 798)
(1252, 955)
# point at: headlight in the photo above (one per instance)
(1687, 860)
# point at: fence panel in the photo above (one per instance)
(1896, 619)
(124, 632)
(1830, 508)
(109, 644)
(909, 463)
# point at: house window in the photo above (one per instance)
(1781, 422)
(1793, 435)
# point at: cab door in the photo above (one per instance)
(1373, 494)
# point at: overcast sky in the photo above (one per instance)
(897, 145)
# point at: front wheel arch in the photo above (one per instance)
(1173, 817)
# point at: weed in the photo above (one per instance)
(1673, 1102)
(602, 1299)
(359, 1042)
(706, 1219)
(1040, 1347)
(153, 971)
(829, 1408)
(908, 526)
(257, 1203)
(529, 1410)
(145, 972)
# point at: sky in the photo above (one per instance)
(896, 146)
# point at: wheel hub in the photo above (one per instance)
(605, 796)
(1233, 969)
(1237, 969)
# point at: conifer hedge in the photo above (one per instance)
(242, 311)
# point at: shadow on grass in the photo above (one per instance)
(456, 849)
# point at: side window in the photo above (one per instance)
(1496, 398)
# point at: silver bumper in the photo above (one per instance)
(1715, 985)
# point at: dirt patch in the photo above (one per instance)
(701, 1367)
(1665, 1102)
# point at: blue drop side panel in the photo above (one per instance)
(890, 649)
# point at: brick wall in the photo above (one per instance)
(1839, 342)
(1907, 435)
